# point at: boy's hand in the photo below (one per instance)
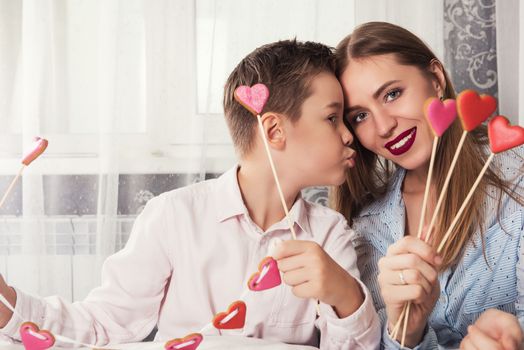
(495, 330)
(10, 294)
(311, 273)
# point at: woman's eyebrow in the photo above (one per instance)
(376, 95)
(384, 87)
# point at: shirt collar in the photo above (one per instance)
(229, 203)
(228, 199)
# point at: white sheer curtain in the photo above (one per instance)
(130, 88)
(510, 59)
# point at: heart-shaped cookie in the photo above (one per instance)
(253, 98)
(503, 136)
(233, 318)
(189, 342)
(38, 148)
(267, 277)
(473, 109)
(35, 339)
(440, 114)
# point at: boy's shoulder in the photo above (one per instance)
(324, 219)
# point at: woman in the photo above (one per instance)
(387, 74)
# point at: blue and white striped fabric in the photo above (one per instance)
(472, 286)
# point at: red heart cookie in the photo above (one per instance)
(252, 98)
(502, 136)
(189, 342)
(234, 318)
(473, 109)
(35, 339)
(38, 148)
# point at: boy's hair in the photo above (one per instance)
(287, 68)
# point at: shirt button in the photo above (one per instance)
(273, 245)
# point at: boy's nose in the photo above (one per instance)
(347, 136)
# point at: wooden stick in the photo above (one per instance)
(446, 184)
(465, 203)
(428, 185)
(421, 222)
(396, 328)
(12, 185)
(275, 176)
(406, 318)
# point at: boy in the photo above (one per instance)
(193, 249)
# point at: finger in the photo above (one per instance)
(410, 276)
(292, 263)
(499, 324)
(400, 294)
(466, 344)
(296, 277)
(304, 290)
(292, 247)
(481, 340)
(510, 343)
(409, 262)
(414, 245)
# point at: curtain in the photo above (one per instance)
(510, 51)
(128, 93)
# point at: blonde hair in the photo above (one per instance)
(368, 181)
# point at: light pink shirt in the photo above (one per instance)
(189, 256)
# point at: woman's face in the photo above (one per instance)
(384, 105)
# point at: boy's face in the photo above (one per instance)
(317, 151)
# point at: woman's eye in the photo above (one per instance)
(392, 95)
(359, 117)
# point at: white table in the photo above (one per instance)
(209, 343)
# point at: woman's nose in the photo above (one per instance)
(385, 123)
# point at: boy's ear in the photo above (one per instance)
(439, 81)
(274, 130)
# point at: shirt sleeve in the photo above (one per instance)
(519, 305)
(125, 307)
(429, 341)
(360, 330)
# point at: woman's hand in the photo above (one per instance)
(312, 273)
(10, 294)
(494, 330)
(407, 273)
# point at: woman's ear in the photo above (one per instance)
(439, 78)
(274, 130)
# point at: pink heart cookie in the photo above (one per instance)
(267, 277)
(35, 339)
(189, 342)
(252, 98)
(440, 114)
(38, 148)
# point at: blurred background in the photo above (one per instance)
(128, 93)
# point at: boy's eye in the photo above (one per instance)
(333, 119)
(392, 95)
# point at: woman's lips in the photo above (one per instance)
(402, 143)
